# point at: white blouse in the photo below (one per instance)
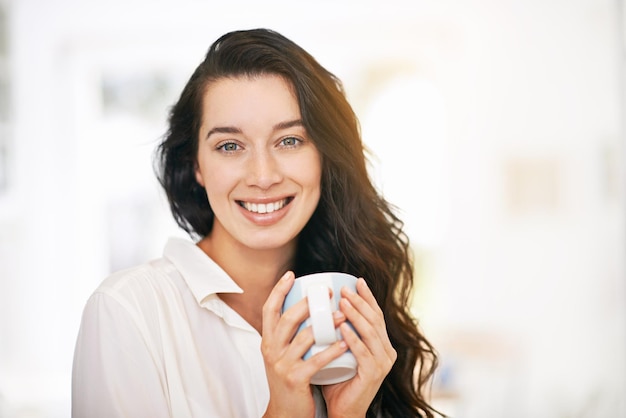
(157, 341)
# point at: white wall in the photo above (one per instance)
(516, 116)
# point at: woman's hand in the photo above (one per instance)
(373, 352)
(288, 375)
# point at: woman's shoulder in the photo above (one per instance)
(139, 282)
(135, 297)
(145, 273)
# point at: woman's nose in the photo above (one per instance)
(263, 171)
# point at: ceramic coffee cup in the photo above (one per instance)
(317, 288)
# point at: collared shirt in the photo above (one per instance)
(157, 341)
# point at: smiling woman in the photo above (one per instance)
(259, 169)
(263, 166)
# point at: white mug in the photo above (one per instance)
(315, 287)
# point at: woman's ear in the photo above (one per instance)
(198, 174)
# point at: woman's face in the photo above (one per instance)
(260, 170)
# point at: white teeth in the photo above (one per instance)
(264, 207)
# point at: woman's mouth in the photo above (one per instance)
(265, 207)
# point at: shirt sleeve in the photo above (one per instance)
(115, 372)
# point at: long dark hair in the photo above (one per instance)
(353, 229)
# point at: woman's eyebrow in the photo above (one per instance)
(223, 130)
(235, 130)
(288, 124)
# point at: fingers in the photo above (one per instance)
(366, 303)
(304, 339)
(364, 308)
(338, 318)
(274, 303)
(364, 313)
(281, 328)
(320, 360)
(372, 338)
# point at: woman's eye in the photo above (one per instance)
(228, 147)
(290, 141)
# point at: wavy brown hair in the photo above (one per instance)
(353, 229)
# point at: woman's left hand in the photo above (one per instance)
(373, 352)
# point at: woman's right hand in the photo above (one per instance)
(288, 375)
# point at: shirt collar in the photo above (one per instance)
(203, 275)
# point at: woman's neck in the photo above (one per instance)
(249, 267)
(255, 271)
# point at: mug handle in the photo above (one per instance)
(321, 315)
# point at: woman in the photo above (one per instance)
(264, 165)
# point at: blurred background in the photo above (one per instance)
(496, 127)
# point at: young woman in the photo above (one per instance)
(263, 166)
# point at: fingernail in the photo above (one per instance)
(338, 315)
(286, 276)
